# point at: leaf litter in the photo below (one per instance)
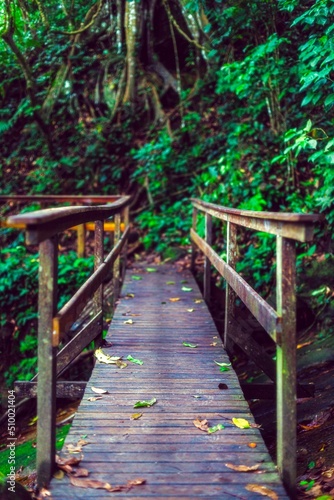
(203, 425)
(105, 358)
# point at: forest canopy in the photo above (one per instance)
(230, 101)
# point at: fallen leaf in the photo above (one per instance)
(82, 442)
(304, 344)
(71, 448)
(243, 468)
(121, 364)
(80, 472)
(170, 282)
(105, 358)
(263, 490)
(213, 344)
(186, 289)
(90, 483)
(94, 398)
(174, 299)
(242, 423)
(201, 424)
(136, 278)
(128, 322)
(198, 301)
(183, 281)
(196, 396)
(222, 364)
(130, 295)
(134, 360)
(145, 404)
(215, 428)
(224, 369)
(318, 421)
(43, 493)
(187, 344)
(136, 416)
(59, 474)
(252, 445)
(99, 391)
(62, 462)
(151, 270)
(190, 310)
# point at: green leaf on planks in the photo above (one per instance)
(170, 282)
(145, 404)
(184, 281)
(134, 360)
(151, 270)
(136, 278)
(222, 364)
(186, 289)
(224, 369)
(215, 428)
(242, 423)
(187, 344)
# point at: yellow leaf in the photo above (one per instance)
(136, 416)
(242, 423)
(213, 344)
(105, 358)
(174, 299)
(263, 490)
(121, 364)
(59, 474)
(243, 468)
(198, 301)
(252, 445)
(130, 295)
(190, 310)
(128, 322)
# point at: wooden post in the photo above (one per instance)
(286, 363)
(81, 240)
(116, 269)
(193, 246)
(126, 220)
(46, 391)
(232, 253)
(207, 264)
(98, 260)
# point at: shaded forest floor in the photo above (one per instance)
(315, 432)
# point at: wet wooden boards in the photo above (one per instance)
(158, 312)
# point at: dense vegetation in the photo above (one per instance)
(228, 101)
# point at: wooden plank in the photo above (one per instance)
(163, 446)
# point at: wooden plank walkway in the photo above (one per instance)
(163, 447)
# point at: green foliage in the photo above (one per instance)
(18, 303)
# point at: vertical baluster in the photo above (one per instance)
(232, 254)
(98, 260)
(116, 271)
(193, 245)
(81, 240)
(286, 362)
(46, 391)
(207, 264)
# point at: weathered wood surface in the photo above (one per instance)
(163, 447)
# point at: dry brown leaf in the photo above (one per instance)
(121, 364)
(71, 448)
(263, 490)
(90, 483)
(61, 462)
(318, 421)
(43, 493)
(99, 391)
(201, 424)
(174, 299)
(243, 468)
(213, 344)
(80, 472)
(95, 398)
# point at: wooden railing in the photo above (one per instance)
(42, 228)
(279, 323)
(46, 200)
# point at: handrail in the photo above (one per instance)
(279, 323)
(42, 227)
(59, 198)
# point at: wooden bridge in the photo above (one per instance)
(163, 414)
